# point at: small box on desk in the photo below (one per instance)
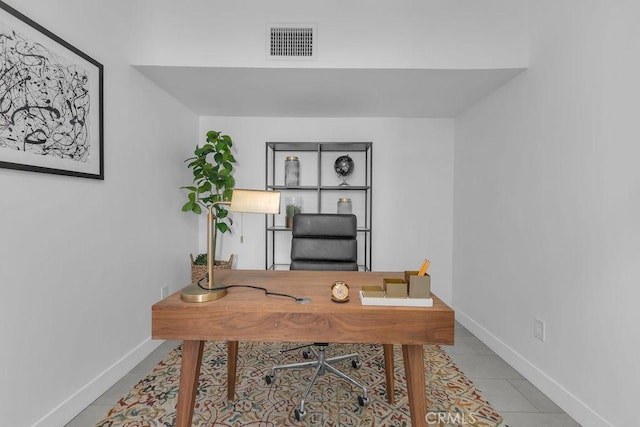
(395, 288)
(373, 291)
(419, 286)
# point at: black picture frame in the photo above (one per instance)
(51, 102)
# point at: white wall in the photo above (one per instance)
(353, 34)
(82, 261)
(91, 256)
(412, 194)
(546, 207)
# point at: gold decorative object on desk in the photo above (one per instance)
(413, 291)
(419, 286)
(373, 291)
(339, 291)
(395, 288)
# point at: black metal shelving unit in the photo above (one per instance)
(319, 183)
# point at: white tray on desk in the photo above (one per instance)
(398, 302)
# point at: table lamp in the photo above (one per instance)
(247, 201)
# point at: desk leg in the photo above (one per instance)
(232, 364)
(189, 373)
(388, 371)
(413, 356)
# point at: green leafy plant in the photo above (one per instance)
(212, 167)
(201, 259)
(292, 210)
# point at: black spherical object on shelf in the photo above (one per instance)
(344, 166)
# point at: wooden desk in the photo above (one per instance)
(248, 315)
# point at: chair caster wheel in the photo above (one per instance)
(356, 364)
(299, 414)
(305, 354)
(269, 379)
(362, 401)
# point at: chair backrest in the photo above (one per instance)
(324, 242)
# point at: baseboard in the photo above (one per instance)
(562, 397)
(77, 402)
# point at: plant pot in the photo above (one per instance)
(288, 222)
(293, 206)
(199, 271)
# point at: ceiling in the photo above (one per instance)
(324, 92)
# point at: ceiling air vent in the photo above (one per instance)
(291, 41)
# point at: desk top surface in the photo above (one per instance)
(248, 314)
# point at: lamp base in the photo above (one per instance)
(194, 293)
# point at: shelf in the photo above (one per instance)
(286, 267)
(278, 228)
(278, 267)
(345, 146)
(321, 187)
(283, 228)
(319, 146)
(345, 187)
(292, 188)
(293, 146)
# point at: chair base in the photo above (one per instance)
(322, 364)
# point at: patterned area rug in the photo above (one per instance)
(453, 399)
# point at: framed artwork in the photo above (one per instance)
(51, 117)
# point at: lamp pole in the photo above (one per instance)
(196, 292)
(211, 240)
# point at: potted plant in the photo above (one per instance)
(293, 205)
(212, 167)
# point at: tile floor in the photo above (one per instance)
(519, 402)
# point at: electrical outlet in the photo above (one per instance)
(164, 292)
(539, 329)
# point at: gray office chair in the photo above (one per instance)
(323, 242)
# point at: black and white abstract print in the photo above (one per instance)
(44, 100)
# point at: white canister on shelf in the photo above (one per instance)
(291, 171)
(344, 205)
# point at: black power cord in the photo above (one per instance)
(265, 290)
